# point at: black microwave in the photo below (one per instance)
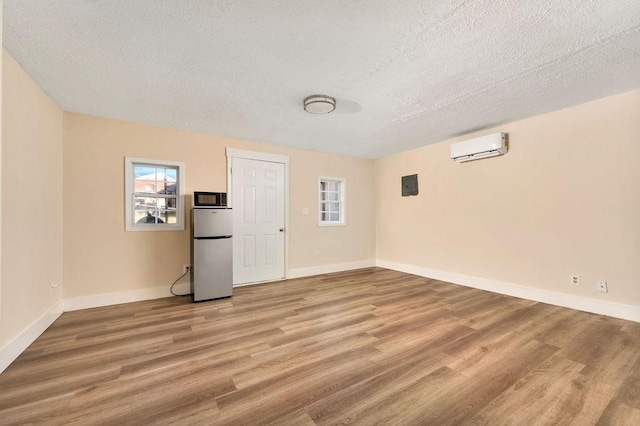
(209, 199)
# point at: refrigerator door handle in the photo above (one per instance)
(219, 237)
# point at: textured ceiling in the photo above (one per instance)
(405, 74)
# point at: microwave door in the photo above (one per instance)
(206, 199)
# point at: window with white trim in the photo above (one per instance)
(154, 195)
(331, 201)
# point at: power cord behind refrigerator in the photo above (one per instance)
(176, 282)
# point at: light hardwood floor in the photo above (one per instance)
(371, 346)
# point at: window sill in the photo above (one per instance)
(332, 224)
(154, 228)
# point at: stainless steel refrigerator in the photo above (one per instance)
(211, 253)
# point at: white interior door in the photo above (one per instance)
(258, 220)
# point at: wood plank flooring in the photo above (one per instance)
(370, 346)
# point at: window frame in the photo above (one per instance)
(342, 191)
(129, 182)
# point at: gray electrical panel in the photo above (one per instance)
(409, 185)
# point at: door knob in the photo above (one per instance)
(281, 229)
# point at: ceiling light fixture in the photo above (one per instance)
(319, 104)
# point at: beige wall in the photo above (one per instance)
(1, 66)
(564, 200)
(31, 201)
(100, 257)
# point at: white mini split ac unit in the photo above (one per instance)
(477, 148)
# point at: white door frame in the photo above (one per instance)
(273, 158)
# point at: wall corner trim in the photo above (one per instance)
(15, 347)
(580, 303)
(327, 269)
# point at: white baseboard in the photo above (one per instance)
(581, 303)
(15, 347)
(258, 282)
(617, 310)
(327, 269)
(106, 299)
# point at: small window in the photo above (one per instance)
(331, 201)
(154, 195)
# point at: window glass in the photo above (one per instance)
(154, 201)
(331, 201)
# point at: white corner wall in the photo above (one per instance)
(31, 211)
(564, 200)
(1, 102)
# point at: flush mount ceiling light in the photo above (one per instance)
(319, 104)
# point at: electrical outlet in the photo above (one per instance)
(602, 287)
(316, 255)
(575, 280)
(186, 268)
